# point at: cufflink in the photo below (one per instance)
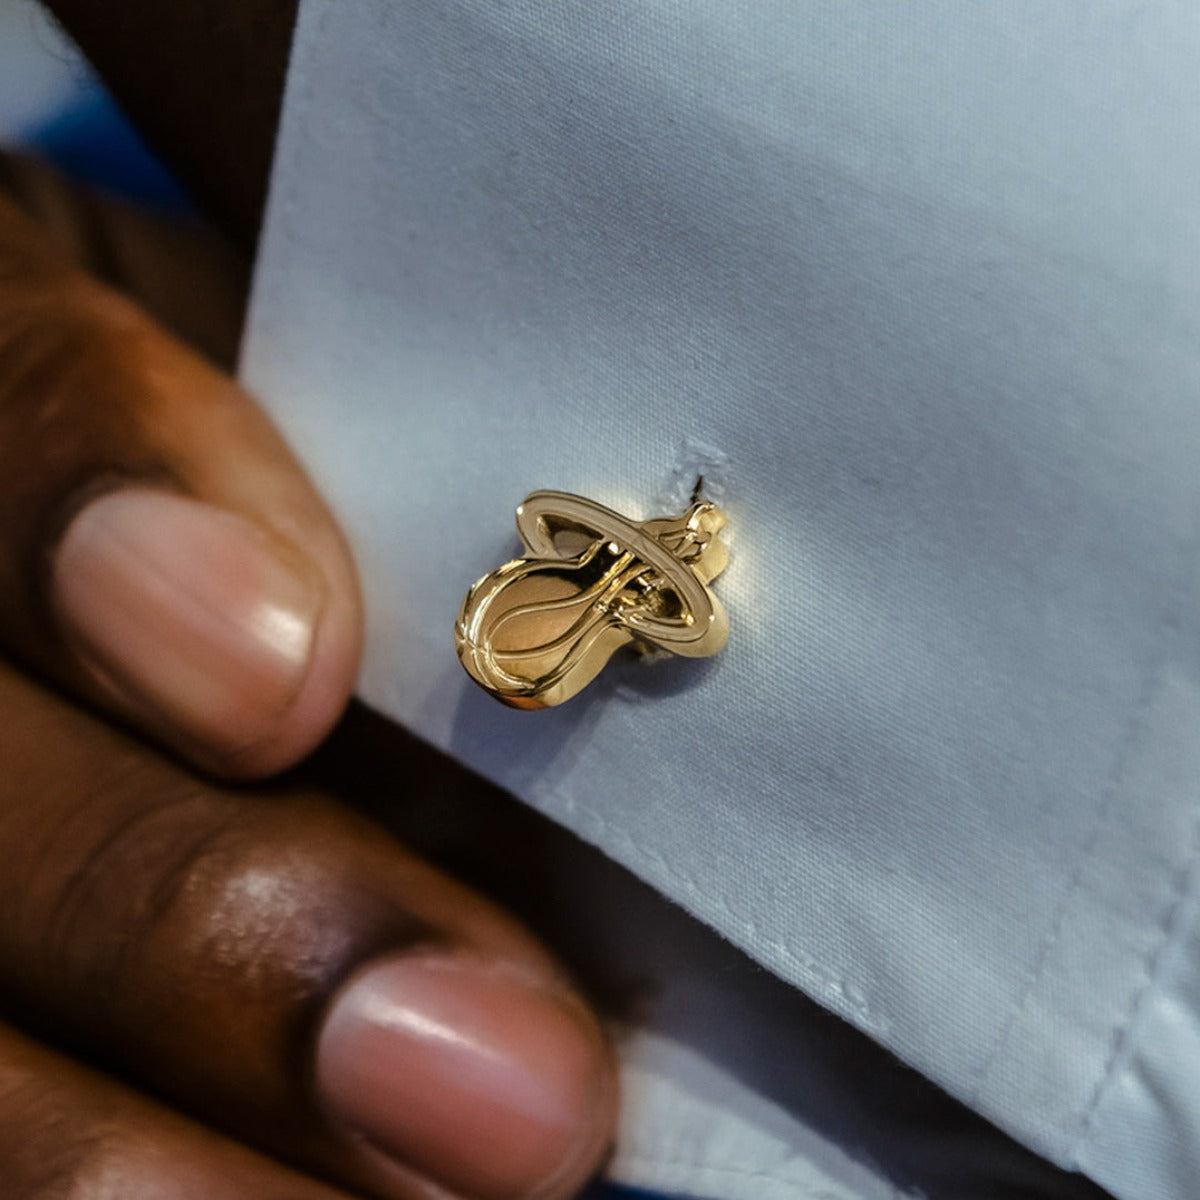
(538, 629)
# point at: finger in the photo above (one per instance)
(286, 970)
(161, 553)
(68, 1132)
(143, 252)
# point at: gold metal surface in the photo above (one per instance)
(538, 629)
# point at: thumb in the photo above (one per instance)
(161, 552)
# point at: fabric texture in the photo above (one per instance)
(914, 287)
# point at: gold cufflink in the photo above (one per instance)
(538, 629)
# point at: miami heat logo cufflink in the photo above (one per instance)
(538, 629)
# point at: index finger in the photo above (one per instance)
(161, 551)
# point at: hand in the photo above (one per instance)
(265, 962)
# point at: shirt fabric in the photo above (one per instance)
(913, 287)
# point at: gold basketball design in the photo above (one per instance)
(538, 629)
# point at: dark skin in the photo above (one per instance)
(187, 939)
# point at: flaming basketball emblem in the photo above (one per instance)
(540, 628)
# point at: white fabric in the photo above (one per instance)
(914, 286)
(737, 1087)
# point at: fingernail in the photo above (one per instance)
(467, 1072)
(194, 617)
